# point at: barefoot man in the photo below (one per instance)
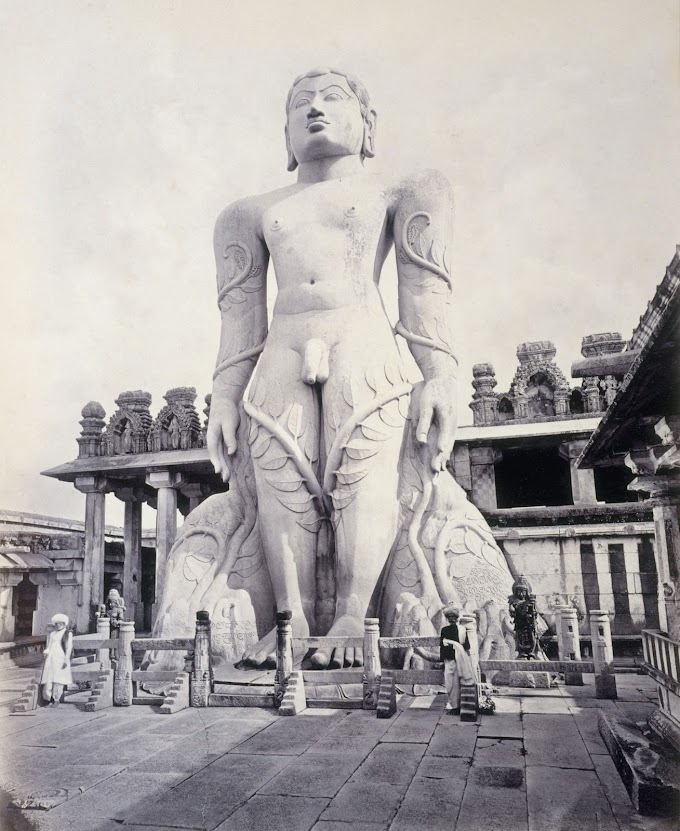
(328, 402)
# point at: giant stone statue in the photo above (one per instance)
(340, 503)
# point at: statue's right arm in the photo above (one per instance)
(241, 257)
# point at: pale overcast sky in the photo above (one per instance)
(128, 126)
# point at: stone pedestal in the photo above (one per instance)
(603, 654)
(122, 681)
(571, 644)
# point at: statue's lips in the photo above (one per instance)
(317, 125)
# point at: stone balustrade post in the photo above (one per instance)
(603, 654)
(372, 668)
(558, 631)
(104, 632)
(167, 483)
(122, 679)
(201, 676)
(284, 654)
(470, 624)
(571, 644)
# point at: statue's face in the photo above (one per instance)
(521, 593)
(324, 119)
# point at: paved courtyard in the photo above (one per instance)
(538, 764)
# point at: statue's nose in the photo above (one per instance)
(314, 112)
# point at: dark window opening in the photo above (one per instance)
(611, 484)
(505, 410)
(576, 405)
(526, 478)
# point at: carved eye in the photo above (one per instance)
(301, 102)
(333, 96)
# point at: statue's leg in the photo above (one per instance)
(362, 475)
(284, 439)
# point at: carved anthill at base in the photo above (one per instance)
(443, 553)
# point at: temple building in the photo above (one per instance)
(580, 535)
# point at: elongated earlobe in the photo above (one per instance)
(292, 161)
(370, 124)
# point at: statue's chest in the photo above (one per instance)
(315, 215)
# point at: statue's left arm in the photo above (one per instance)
(422, 228)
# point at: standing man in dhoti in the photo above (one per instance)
(454, 651)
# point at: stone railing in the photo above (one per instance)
(662, 659)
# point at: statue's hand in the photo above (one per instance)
(438, 407)
(222, 426)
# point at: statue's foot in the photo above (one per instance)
(341, 656)
(263, 654)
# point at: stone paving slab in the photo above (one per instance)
(489, 808)
(336, 745)
(363, 724)
(124, 793)
(333, 825)
(291, 813)
(505, 704)
(290, 736)
(314, 775)
(453, 739)
(412, 726)
(499, 753)
(206, 799)
(586, 722)
(373, 802)
(635, 711)
(545, 705)
(582, 802)
(503, 726)
(441, 767)
(47, 776)
(431, 804)
(554, 741)
(393, 764)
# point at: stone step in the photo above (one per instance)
(153, 700)
(254, 699)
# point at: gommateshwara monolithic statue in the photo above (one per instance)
(340, 504)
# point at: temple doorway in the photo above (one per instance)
(24, 603)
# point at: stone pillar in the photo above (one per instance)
(95, 489)
(571, 643)
(484, 400)
(104, 632)
(558, 632)
(372, 669)
(195, 493)
(201, 677)
(166, 482)
(483, 474)
(591, 394)
(603, 654)
(582, 479)
(122, 679)
(132, 567)
(284, 654)
(664, 491)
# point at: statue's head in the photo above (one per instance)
(521, 588)
(328, 114)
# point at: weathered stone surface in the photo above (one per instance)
(395, 764)
(517, 678)
(554, 741)
(333, 825)
(442, 767)
(505, 704)
(203, 801)
(290, 736)
(544, 705)
(503, 726)
(314, 775)
(293, 813)
(430, 804)
(499, 753)
(365, 802)
(488, 807)
(412, 726)
(453, 740)
(360, 724)
(651, 777)
(587, 724)
(337, 745)
(582, 802)
(494, 776)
